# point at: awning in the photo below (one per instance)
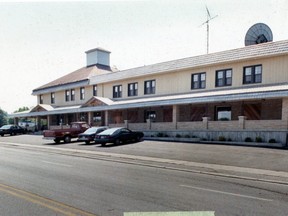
(219, 95)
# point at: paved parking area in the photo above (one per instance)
(239, 156)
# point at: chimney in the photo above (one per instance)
(98, 56)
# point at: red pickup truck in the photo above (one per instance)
(66, 134)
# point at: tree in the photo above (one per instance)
(21, 109)
(3, 117)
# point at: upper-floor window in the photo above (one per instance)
(94, 90)
(252, 74)
(149, 87)
(82, 93)
(198, 81)
(224, 77)
(67, 95)
(132, 89)
(41, 99)
(72, 94)
(117, 91)
(52, 98)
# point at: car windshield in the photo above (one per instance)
(5, 126)
(110, 131)
(91, 130)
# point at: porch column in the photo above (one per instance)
(90, 120)
(38, 123)
(175, 115)
(48, 121)
(205, 122)
(148, 124)
(126, 123)
(241, 122)
(16, 120)
(106, 118)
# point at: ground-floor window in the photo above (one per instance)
(223, 113)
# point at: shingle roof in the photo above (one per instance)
(79, 75)
(240, 54)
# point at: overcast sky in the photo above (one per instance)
(42, 41)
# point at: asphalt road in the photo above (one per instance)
(36, 182)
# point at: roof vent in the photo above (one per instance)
(98, 56)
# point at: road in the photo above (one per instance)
(43, 182)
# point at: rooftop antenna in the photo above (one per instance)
(209, 18)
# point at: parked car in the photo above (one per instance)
(66, 134)
(117, 136)
(11, 129)
(27, 125)
(89, 135)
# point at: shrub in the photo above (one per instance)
(178, 136)
(248, 139)
(194, 136)
(187, 136)
(160, 135)
(258, 139)
(166, 135)
(272, 141)
(221, 138)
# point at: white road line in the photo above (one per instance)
(227, 193)
(58, 164)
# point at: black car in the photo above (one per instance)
(11, 129)
(89, 134)
(117, 136)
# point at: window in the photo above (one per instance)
(198, 81)
(41, 99)
(94, 90)
(72, 94)
(252, 74)
(67, 95)
(149, 87)
(117, 91)
(150, 115)
(52, 98)
(223, 113)
(82, 93)
(224, 77)
(133, 89)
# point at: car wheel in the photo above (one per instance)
(57, 141)
(117, 142)
(87, 142)
(2, 135)
(138, 139)
(67, 139)
(103, 144)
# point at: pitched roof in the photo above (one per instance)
(240, 54)
(79, 75)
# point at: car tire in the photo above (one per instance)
(67, 139)
(87, 142)
(117, 142)
(57, 141)
(103, 144)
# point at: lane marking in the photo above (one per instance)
(45, 202)
(227, 193)
(59, 164)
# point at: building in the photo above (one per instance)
(235, 93)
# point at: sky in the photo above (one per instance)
(42, 41)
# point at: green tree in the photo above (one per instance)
(3, 117)
(21, 109)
